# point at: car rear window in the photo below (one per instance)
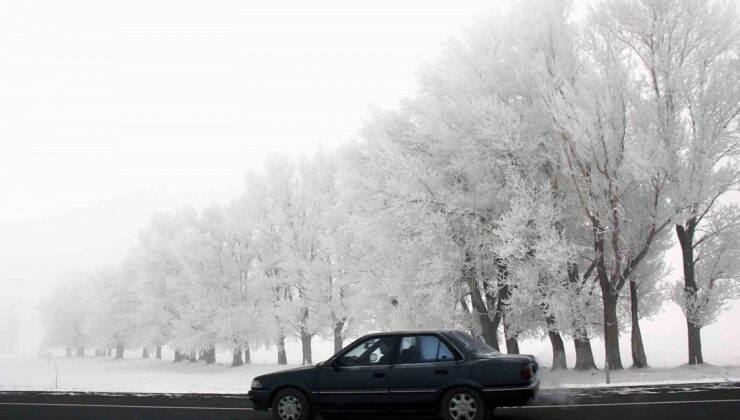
(472, 344)
(424, 349)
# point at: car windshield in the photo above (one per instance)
(473, 345)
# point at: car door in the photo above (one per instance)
(357, 380)
(424, 365)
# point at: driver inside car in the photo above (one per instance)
(385, 347)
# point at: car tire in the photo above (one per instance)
(463, 403)
(291, 404)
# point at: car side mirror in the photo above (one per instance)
(373, 358)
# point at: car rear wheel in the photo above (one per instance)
(290, 404)
(463, 403)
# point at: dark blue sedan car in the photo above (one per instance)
(419, 372)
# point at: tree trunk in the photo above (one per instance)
(556, 341)
(338, 339)
(236, 359)
(306, 347)
(144, 353)
(488, 329)
(558, 351)
(488, 326)
(80, 352)
(119, 351)
(178, 356)
(159, 352)
(210, 355)
(512, 345)
(581, 342)
(695, 356)
(281, 356)
(686, 241)
(500, 302)
(609, 298)
(559, 360)
(510, 337)
(611, 332)
(639, 359)
(247, 354)
(584, 354)
(193, 356)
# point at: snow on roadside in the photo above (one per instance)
(647, 376)
(128, 375)
(161, 376)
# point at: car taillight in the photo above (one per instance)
(527, 372)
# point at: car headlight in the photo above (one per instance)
(256, 384)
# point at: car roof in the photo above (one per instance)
(411, 332)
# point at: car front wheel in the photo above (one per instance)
(290, 404)
(463, 403)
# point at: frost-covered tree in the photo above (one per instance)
(537, 252)
(449, 155)
(687, 56)
(594, 105)
(159, 272)
(712, 263)
(257, 204)
(217, 259)
(410, 171)
(241, 329)
(66, 314)
(114, 301)
(287, 244)
(212, 286)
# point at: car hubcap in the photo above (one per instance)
(463, 407)
(289, 408)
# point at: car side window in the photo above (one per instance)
(376, 351)
(423, 349)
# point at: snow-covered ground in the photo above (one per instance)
(676, 375)
(128, 375)
(140, 375)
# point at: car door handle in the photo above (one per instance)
(440, 372)
(378, 375)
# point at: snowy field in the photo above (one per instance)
(139, 375)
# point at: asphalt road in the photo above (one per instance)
(690, 401)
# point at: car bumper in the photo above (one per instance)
(511, 396)
(260, 399)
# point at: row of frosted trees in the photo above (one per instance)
(530, 189)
